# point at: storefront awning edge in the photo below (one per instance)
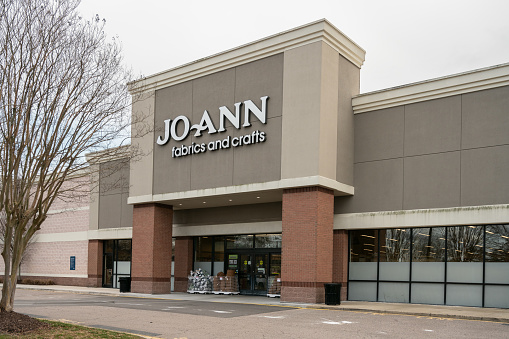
(338, 188)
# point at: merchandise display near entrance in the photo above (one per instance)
(252, 260)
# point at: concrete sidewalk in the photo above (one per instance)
(437, 311)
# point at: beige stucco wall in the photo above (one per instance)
(142, 136)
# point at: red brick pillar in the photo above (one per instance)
(95, 259)
(308, 218)
(151, 256)
(340, 261)
(183, 262)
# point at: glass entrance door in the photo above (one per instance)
(245, 276)
(253, 271)
(260, 273)
(108, 270)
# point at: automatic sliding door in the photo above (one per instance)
(260, 273)
(245, 274)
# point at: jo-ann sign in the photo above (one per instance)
(248, 108)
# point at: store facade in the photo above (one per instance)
(265, 160)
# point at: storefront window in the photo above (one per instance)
(497, 266)
(394, 264)
(497, 243)
(428, 244)
(203, 253)
(453, 265)
(428, 266)
(465, 244)
(363, 265)
(239, 241)
(364, 246)
(218, 255)
(395, 245)
(268, 240)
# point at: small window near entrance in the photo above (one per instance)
(239, 241)
(218, 255)
(203, 253)
(268, 240)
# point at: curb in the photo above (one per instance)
(418, 314)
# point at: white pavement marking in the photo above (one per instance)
(272, 317)
(130, 304)
(429, 331)
(172, 307)
(330, 322)
(221, 311)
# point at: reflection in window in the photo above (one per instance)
(203, 253)
(465, 244)
(173, 249)
(497, 243)
(117, 261)
(203, 249)
(218, 255)
(268, 240)
(124, 250)
(428, 244)
(219, 249)
(239, 241)
(395, 245)
(364, 246)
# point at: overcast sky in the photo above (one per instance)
(405, 41)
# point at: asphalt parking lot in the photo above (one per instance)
(173, 318)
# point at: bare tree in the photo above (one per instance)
(62, 94)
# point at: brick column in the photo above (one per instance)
(95, 260)
(151, 256)
(308, 217)
(340, 261)
(183, 262)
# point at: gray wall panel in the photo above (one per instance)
(126, 216)
(456, 152)
(114, 190)
(433, 126)
(216, 168)
(379, 135)
(268, 165)
(486, 118)
(171, 175)
(113, 177)
(432, 181)
(378, 187)
(210, 93)
(260, 78)
(110, 211)
(229, 215)
(485, 176)
(212, 168)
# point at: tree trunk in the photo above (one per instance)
(12, 261)
(8, 290)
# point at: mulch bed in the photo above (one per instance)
(12, 322)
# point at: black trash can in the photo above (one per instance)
(125, 284)
(332, 294)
